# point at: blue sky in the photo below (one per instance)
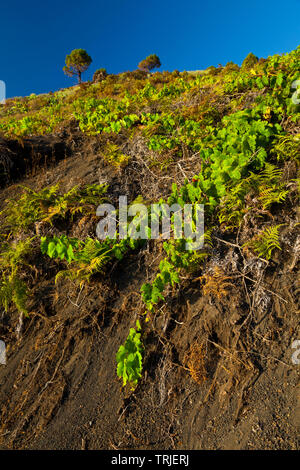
(35, 36)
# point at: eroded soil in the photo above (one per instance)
(218, 372)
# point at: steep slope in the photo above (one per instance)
(217, 324)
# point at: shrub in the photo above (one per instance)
(136, 74)
(151, 62)
(99, 75)
(231, 66)
(212, 70)
(249, 61)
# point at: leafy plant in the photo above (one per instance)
(236, 121)
(129, 358)
(114, 156)
(13, 254)
(255, 193)
(60, 247)
(266, 242)
(30, 207)
(287, 147)
(86, 257)
(48, 204)
(12, 288)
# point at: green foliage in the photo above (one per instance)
(92, 259)
(236, 120)
(77, 62)
(46, 205)
(266, 242)
(87, 257)
(28, 208)
(97, 116)
(43, 114)
(13, 289)
(249, 61)
(178, 258)
(229, 154)
(253, 194)
(151, 62)
(114, 156)
(271, 188)
(13, 254)
(49, 204)
(129, 358)
(80, 199)
(287, 147)
(60, 247)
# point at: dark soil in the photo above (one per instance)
(59, 389)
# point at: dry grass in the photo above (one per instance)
(195, 361)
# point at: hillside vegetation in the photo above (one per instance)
(226, 137)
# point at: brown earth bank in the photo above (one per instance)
(218, 370)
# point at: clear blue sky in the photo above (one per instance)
(36, 35)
